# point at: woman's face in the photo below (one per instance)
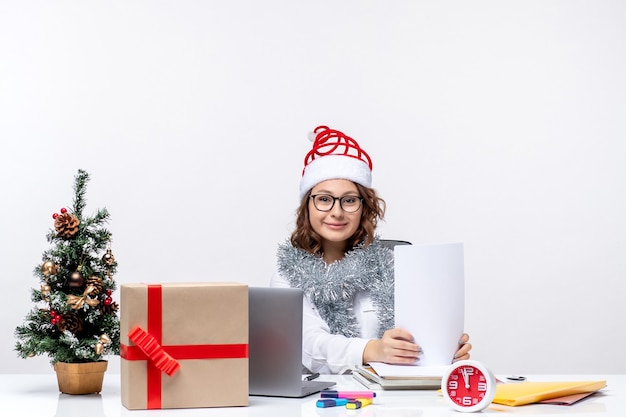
(335, 225)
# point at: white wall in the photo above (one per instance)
(498, 124)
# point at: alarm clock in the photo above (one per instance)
(468, 386)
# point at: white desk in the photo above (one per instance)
(37, 395)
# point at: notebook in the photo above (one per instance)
(367, 375)
(275, 344)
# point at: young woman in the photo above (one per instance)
(335, 257)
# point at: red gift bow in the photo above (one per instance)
(154, 351)
(155, 317)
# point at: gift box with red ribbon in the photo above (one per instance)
(184, 345)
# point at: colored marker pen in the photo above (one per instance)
(331, 402)
(358, 403)
(347, 394)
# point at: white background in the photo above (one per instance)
(499, 124)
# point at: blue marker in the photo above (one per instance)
(331, 402)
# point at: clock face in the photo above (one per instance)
(468, 386)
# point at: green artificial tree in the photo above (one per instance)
(75, 318)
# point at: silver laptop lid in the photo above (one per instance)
(275, 343)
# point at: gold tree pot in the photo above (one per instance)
(80, 378)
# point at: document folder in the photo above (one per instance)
(531, 392)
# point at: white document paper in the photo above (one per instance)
(430, 299)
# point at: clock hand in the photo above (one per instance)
(465, 377)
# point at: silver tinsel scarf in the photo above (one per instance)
(331, 288)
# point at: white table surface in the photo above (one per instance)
(38, 395)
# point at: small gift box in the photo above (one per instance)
(184, 345)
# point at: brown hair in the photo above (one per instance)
(373, 210)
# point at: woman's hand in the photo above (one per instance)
(396, 347)
(464, 348)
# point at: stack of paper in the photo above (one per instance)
(395, 377)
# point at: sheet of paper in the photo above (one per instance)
(430, 298)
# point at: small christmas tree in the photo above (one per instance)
(75, 318)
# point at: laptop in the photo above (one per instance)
(275, 344)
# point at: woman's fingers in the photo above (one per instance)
(464, 349)
(398, 347)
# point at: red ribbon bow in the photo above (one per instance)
(154, 351)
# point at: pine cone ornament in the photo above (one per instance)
(96, 283)
(71, 322)
(66, 225)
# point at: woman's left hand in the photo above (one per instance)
(464, 348)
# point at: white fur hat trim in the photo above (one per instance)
(330, 167)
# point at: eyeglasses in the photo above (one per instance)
(348, 203)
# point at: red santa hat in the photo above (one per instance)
(334, 156)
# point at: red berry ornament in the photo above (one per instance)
(63, 210)
(55, 215)
(108, 301)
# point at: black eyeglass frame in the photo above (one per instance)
(341, 199)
